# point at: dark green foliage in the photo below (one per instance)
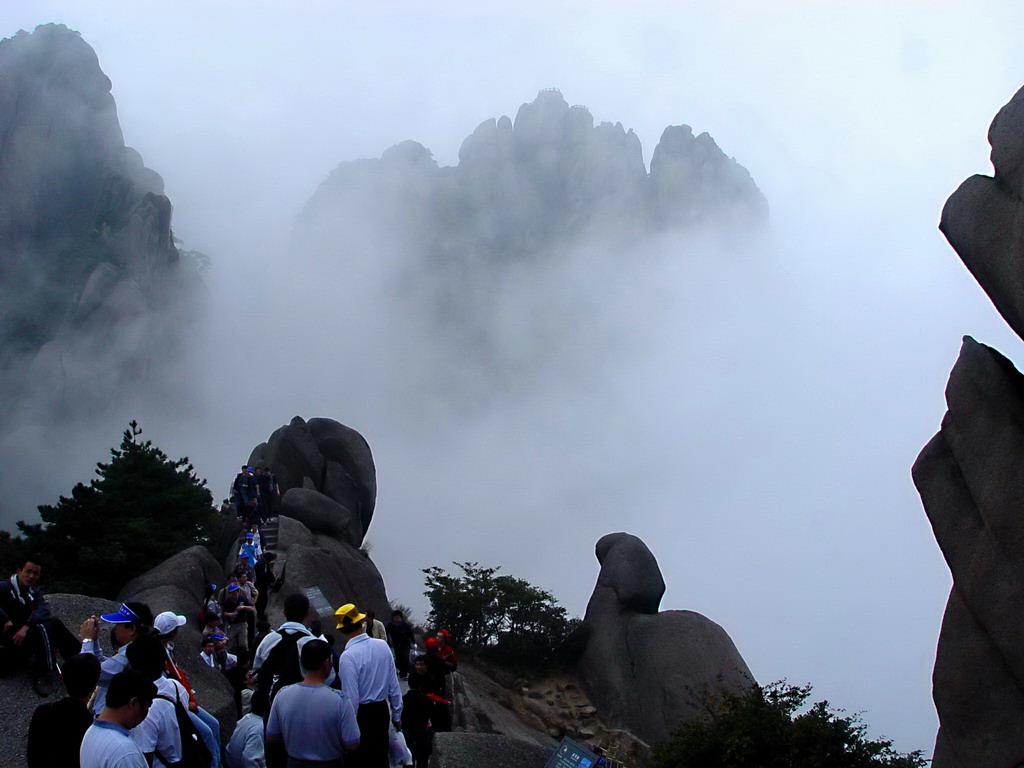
(506, 620)
(768, 727)
(141, 508)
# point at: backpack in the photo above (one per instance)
(194, 753)
(280, 669)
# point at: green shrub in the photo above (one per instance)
(141, 508)
(768, 727)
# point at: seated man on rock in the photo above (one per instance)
(27, 624)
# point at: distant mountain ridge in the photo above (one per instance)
(91, 284)
(522, 186)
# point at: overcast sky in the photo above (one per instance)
(759, 431)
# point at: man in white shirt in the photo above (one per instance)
(158, 735)
(246, 748)
(107, 743)
(369, 677)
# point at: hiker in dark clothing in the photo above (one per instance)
(401, 638)
(417, 710)
(56, 730)
(245, 491)
(265, 579)
(428, 674)
(26, 624)
(266, 483)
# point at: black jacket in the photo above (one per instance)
(34, 610)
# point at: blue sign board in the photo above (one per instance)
(571, 755)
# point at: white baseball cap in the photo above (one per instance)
(167, 622)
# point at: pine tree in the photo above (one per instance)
(140, 509)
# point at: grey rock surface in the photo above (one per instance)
(629, 568)
(330, 458)
(644, 669)
(476, 750)
(342, 572)
(969, 480)
(321, 514)
(482, 706)
(188, 571)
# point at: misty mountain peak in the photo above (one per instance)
(86, 251)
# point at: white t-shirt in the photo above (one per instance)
(159, 731)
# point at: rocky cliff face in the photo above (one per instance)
(642, 668)
(92, 289)
(970, 480)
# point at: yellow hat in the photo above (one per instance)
(348, 615)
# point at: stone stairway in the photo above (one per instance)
(269, 535)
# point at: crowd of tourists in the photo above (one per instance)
(303, 696)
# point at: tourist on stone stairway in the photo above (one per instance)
(246, 747)
(265, 578)
(248, 592)
(311, 723)
(244, 492)
(210, 605)
(375, 628)
(438, 673)
(400, 635)
(56, 729)
(417, 710)
(276, 661)
(130, 622)
(107, 743)
(445, 652)
(27, 626)
(269, 492)
(234, 610)
(369, 677)
(166, 625)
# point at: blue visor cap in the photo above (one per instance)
(218, 636)
(232, 587)
(124, 615)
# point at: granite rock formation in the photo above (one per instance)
(970, 481)
(643, 668)
(330, 459)
(343, 573)
(329, 488)
(93, 291)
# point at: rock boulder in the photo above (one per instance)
(321, 514)
(645, 669)
(970, 481)
(325, 456)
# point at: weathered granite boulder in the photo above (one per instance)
(459, 750)
(321, 514)
(323, 455)
(970, 481)
(628, 567)
(343, 573)
(645, 669)
(188, 571)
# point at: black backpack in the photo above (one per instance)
(194, 753)
(280, 669)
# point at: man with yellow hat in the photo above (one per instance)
(369, 679)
